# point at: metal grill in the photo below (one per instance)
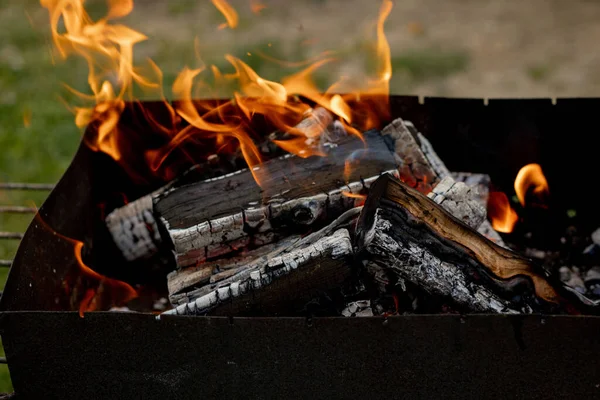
(10, 209)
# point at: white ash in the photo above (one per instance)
(414, 264)
(460, 201)
(360, 308)
(134, 228)
(480, 183)
(336, 245)
(572, 278)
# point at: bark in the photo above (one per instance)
(404, 234)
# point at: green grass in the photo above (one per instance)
(538, 73)
(427, 64)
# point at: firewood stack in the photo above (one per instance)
(373, 225)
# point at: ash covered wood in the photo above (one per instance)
(278, 281)
(275, 239)
(213, 218)
(404, 233)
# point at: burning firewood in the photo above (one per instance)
(237, 237)
(400, 235)
(134, 227)
(409, 237)
(210, 218)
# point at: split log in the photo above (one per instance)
(405, 234)
(187, 284)
(277, 283)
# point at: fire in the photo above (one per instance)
(228, 12)
(88, 290)
(257, 6)
(108, 49)
(531, 179)
(100, 291)
(359, 198)
(501, 213)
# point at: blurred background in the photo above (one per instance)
(455, 48)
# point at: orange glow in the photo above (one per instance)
(359, 198)
(228, 12)
(108, 49)
(531, 179)
(118, 292)
(256, 6)
(27, 118)
(503, 217)
(88, 290)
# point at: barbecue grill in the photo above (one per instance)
(54, 353)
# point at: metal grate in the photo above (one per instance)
(19, 209)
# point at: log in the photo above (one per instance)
(203, 224)
(407, 235)
(134, 228)
(187, 284)
(279, 284)
(211, 219)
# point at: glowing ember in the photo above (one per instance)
(531, 180)
(108, 50)
(503, 217)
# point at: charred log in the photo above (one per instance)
(134, 227)
(403, 233)
(278, 283)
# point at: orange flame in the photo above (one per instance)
(531, 179)
(256, 6)
(228, 12)
(89, 290)
(27, 118)
(103, 289)
(359, 198)
(108, 50)
(500, 212)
